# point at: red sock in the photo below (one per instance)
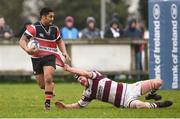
(48, 96)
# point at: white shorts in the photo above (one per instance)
(132, 93)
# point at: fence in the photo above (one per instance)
(110, 56)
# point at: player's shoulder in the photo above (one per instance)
(36, 23)
(96, 74)
(33, 26)
(54, 26)
(31, 30)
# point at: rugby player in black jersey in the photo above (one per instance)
(46, 57)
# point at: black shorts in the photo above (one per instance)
(39, 63)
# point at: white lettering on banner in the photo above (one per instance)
(174, 51)
(157, 58)
(157, 36)
(156, 11)
(174, 11)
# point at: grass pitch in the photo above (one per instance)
(26, 100)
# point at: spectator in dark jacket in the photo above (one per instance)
(5, 31)
(114, 30)
(134, 33)
(91, 32)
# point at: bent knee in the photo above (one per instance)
(42, 86)
(48, 78)
(157, 83)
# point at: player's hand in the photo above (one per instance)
(60, 105)
(32, 50)
(66, 67)
(66, 56)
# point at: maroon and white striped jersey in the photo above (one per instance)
(102, 88)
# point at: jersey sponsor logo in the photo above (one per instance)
(100, 92)
(41, 34)
(48, 49)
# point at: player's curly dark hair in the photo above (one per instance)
(45, 11)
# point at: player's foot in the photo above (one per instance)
(153, 96)
(47, 106)
(163, 104)
(59, 105)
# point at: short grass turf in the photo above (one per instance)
(26, 100)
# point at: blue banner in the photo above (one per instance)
(164, 42)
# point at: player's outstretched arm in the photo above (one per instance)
(67, 106)
(23, 44)
(78, 71)
(62, 48)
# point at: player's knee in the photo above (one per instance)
(42, 86)
(48, 78)
(157, 83)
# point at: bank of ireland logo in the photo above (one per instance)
(156, 11)
(174, 11)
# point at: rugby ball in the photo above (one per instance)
(33, 43)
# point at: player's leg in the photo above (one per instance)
(49, 85)
(153, 95)
(150, 85)
(137, 104)
(38, 71)
(40, 80)
(49, 67)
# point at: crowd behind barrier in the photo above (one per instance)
(114, 32)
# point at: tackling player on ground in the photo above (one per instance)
(45, 59)
(98, 86)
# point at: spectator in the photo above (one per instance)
(114, 16)
(114, 30)
(91, 32)
(134, 32)
(69, 31)
(5, 31)
(22, 30)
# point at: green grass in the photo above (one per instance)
(26, 100)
